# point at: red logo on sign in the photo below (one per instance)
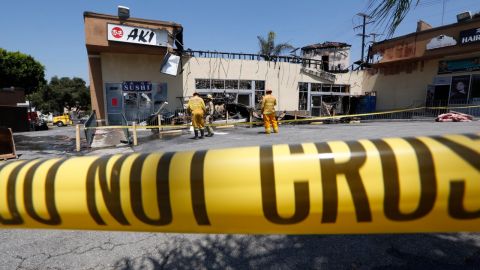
(117, 32)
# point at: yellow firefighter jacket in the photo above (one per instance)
(196, 105)
(268, 104)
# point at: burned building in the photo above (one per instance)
(126, 56)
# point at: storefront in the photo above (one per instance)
(433, 66)
(125, 56)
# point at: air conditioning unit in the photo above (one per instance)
(464, 16)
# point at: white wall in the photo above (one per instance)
(282, 78)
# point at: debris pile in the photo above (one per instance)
(453, 116)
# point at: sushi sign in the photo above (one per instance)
(137, 35)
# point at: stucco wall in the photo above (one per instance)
(282, 78)
(117, 68)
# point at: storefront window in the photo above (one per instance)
(475, 90)
(303, 96)
(245, 84)
(231, 84)
(259, 85)
(202, 84)
(326, 87)
(459, 89)
(316, 87)
(303, 86)
(302, 100)
(218, 84)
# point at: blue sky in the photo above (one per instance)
(52, 31)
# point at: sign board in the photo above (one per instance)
(460, 65)
(441, 42)
(137, 86)
(170, 64)
(470, 36)
(137, 35)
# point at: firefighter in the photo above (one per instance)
(268, 112)
(209, 117)
(196, 107)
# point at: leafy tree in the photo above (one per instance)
(268, 48)
(21, 70)
(62, 93)
(391, 12)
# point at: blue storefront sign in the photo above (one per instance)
(137, 86)
(461, 65)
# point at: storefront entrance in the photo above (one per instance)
(133, 102)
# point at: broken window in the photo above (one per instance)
(259, 85)
(326, 87)
(202, 84)
(316, 87)
(302, 86)
(336, 88)
(245, 85)
(218, 84)
(302, 96)
(231, 84)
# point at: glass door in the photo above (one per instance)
(113, 94)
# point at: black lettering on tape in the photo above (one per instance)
(49, 193)
(111, 196)
(162, 190)
(391, 178)
(351, 169)
(11, 198)
(456, 207)
(269, 197)
(198, 188)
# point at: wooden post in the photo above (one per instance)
(226, 121)
(135, 140)
(77, 137)
(159, 126)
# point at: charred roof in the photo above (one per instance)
(326, 45)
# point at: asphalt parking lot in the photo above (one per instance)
(56, 249)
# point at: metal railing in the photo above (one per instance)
(89, 127)
(429, 111)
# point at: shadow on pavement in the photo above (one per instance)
(415, 251)
(48, 142)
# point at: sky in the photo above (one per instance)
(52, 31)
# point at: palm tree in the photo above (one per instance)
(268, 48)
(391, 12)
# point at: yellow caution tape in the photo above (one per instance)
(395, 185)
(320, 118)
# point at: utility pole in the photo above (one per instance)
(374, 36)
(363, 35)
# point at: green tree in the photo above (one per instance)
(268, 48)
(390, 12)
(62, 93)
(21, 70)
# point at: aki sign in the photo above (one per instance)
(137, 35)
